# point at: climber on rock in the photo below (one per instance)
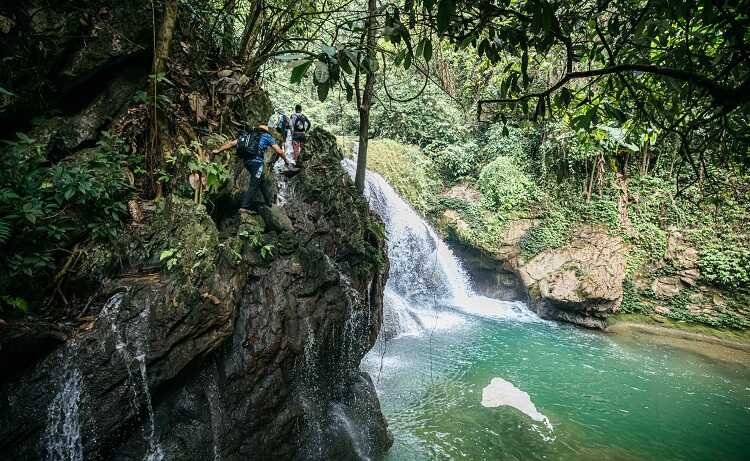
(300, 125)
(251, 148)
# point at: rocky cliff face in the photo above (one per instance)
(232, 340)
(81, 61)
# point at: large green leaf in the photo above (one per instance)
(299, 71)
(329, 50)
(343, 61)
(6, 92)
(539, 111)
(349, 90)
(323, 90)
(525, 67)
(321, 73)
(566, 96)
(428, 50)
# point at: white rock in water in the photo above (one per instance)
(502, 393)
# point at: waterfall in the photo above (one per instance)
(422, 265)
(137, 380)
(63, 432)
(424, 270)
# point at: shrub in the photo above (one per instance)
(405, 168)
(552, 232)
(631, 300)
(505, 186)
(47, 208)
(456, 161)
(514, 143)
(725, 264)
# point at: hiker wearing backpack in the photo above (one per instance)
(284, 126)
(300, 125)
(251, 148)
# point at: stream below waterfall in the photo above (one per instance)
(465, 377)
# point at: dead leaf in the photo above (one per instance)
(198, 104)
(213, 299)
(194, 179)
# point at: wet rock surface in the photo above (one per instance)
(218, 350)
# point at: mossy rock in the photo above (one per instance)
(276, 219)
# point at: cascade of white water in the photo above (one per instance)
(63, 432)
(422, 265)
(424, 271)
(215, 407)
(138, 382)
(352, 431)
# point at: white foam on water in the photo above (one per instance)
(490, 308)
(438, 320)
(501, 393)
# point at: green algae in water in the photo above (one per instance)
(606, 400)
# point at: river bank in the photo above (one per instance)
(729, 346)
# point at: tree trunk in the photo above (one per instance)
(646, 160)
(158, 130)
(622, 201)
(364, 107)
(250, 34)
(227, 34)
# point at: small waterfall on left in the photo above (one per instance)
(137, 379)
(62, 436)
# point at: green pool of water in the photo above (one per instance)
(606, 399)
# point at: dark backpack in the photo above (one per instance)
(247, 145)
(283, 124)
(301, 123)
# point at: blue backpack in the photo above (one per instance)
(248, 145)
(283, 124)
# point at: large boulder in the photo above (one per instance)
(580, 282)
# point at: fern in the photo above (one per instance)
(4, 231)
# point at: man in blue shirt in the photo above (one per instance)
(251, 148)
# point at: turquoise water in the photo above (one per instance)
(606, 400)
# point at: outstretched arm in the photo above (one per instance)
(280, 151)
(226, 146)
